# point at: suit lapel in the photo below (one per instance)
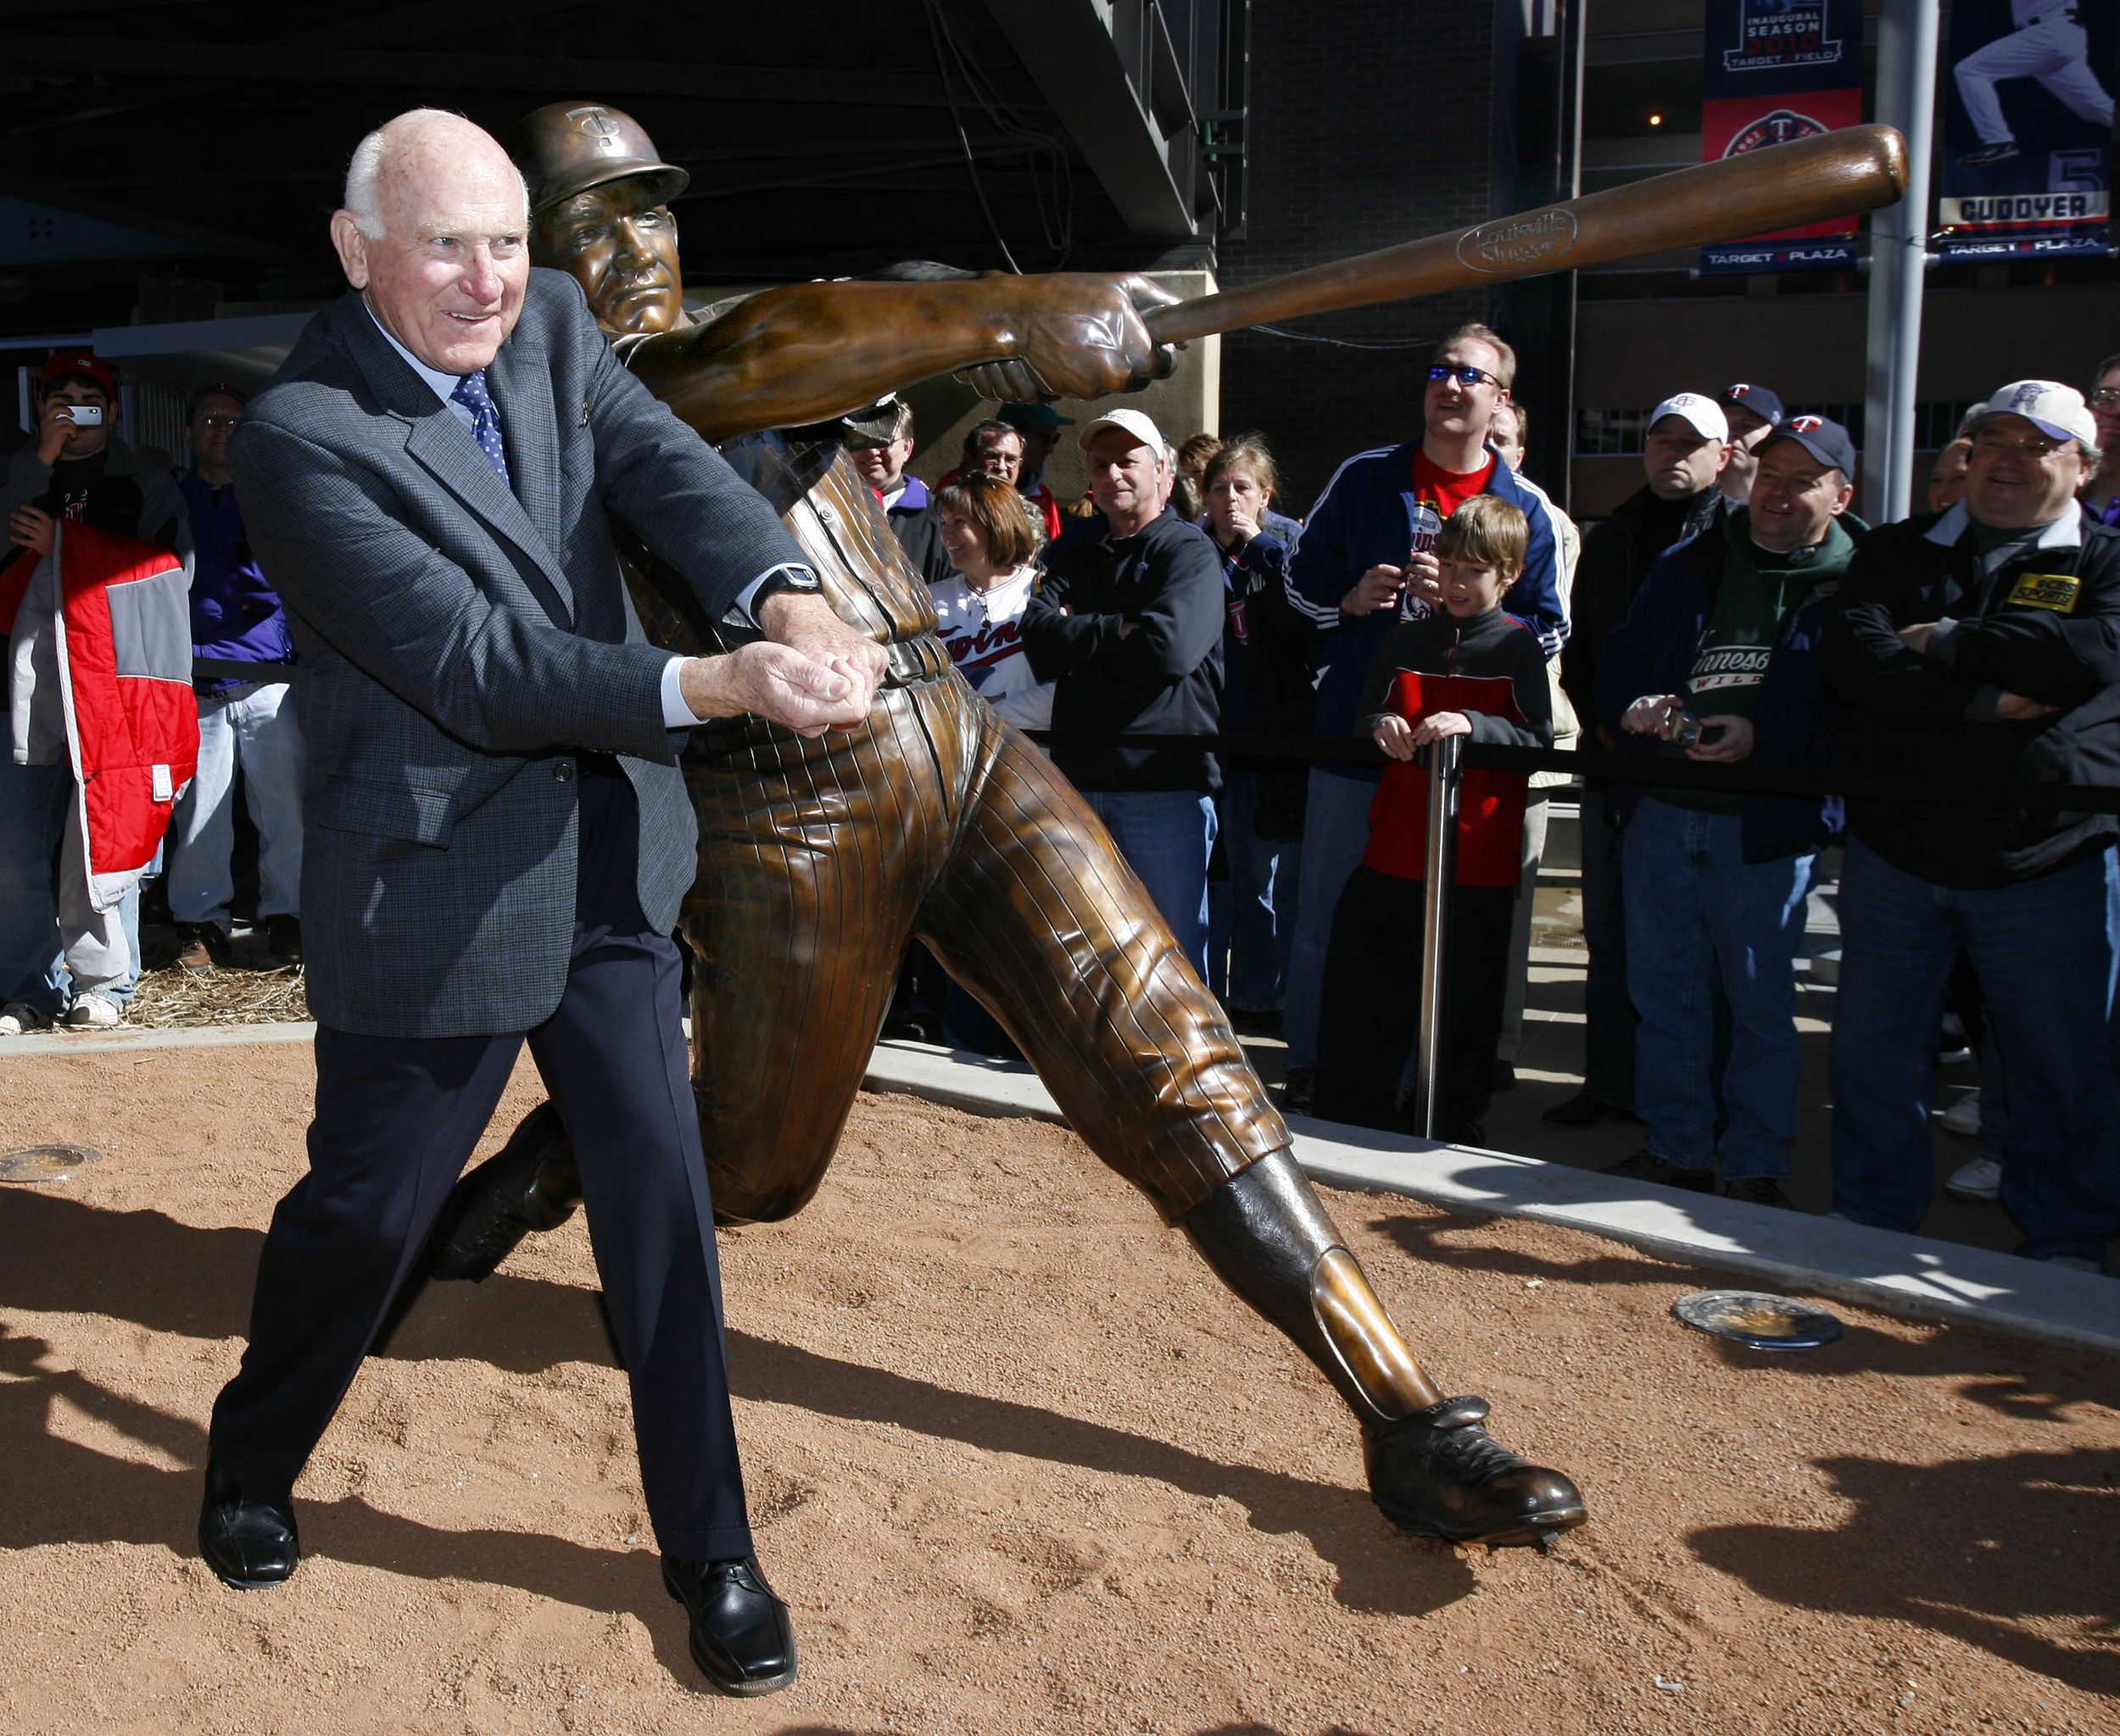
(521, 381)
(436, 441)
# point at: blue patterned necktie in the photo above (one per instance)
(471, 391)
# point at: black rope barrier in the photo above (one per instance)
(1608, 766)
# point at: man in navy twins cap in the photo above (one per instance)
(1717, 662)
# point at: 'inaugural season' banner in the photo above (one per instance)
(1778, 70)
(2028, 122)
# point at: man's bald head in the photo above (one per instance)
(432, 234)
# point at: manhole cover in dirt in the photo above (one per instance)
(1757, 1319)
(45, 1163)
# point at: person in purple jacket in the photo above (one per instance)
(236, 618)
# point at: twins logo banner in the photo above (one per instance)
(2027, 127)
(1778, 70)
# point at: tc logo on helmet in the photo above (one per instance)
(598, 124)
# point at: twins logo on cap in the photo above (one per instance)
(598, 124)
(1805, 424)
(1738, 391)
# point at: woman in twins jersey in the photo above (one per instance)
(980, 607)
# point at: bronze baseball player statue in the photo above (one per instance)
(820, 858)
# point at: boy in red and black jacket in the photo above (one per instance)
(1470, 670)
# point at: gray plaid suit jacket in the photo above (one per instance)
(460, 643)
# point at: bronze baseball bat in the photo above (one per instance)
(1828, 175)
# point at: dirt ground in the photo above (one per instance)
(1020, 1464)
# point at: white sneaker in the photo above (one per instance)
(92, 1013)
(1980, 1180)
(1963, 1117)
(18, 1018)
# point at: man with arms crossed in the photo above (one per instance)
(501, 830)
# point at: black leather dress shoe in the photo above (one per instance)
(1439, 1473)
(741, 1636)
(249, 1543)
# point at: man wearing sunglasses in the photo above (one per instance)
(1980, 649)
(1365, 562)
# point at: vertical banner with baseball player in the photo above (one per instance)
(2027, 127)
(1777, 70)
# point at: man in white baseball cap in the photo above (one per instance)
(1684, 453)
(1128, 625)
(1978, 650)
(2056, 411)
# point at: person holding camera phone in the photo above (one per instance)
(1717, 661)
(70, 944)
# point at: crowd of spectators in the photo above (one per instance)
(1733, 610)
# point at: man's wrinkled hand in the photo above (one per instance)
(805, 622)
(775, 681)
(1077, 334)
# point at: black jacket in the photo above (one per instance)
(1617, 555)
(1931, 718)
(1492, 644)
(1164, 677)
(1270, 688)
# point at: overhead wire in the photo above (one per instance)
(1044, 150)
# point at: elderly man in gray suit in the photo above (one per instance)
(503, 834)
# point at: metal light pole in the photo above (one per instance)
(1899, 255)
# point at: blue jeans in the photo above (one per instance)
(1336, 831)
(1608, 1025)
(1251, 914)
(2045, 953)
(254, 727)
(1166, 836)
(34, 804)
(1694, 908)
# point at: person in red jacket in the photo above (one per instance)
(1470, 670)
(101, 732)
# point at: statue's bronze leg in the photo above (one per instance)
(1037, 915)
(1269, 1237)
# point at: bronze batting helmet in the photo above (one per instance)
(567, 148)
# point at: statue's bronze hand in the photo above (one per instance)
(1077, 334)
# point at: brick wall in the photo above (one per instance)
(1370, 125)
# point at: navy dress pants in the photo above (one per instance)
(396, 1120)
